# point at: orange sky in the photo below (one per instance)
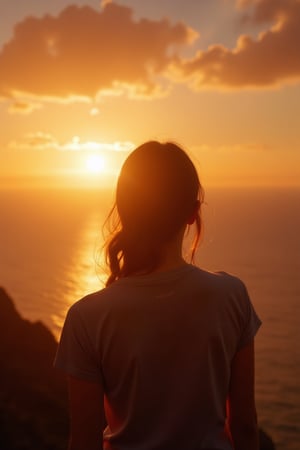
(82, 84)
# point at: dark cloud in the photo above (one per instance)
(269, 10)
(271, 59)
(82, 51)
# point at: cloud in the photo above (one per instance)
(268, 10)
(83, 51)
(270, 60)
(23, 107)
(237, 148)
(94, 111)
(34, 141)
(41, 141)
(105, 2)
(76, 144)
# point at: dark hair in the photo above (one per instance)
(157, 191)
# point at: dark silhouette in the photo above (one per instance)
(165, 353)
(33, 396)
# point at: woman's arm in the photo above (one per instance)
(242, 411)
(86, 414)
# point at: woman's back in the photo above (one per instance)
(162, 345)
(165, 345)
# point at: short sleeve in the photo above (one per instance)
(251, 322)
(75, 354)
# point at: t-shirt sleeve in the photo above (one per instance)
(75, 354)
(251, 322)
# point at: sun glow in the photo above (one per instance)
(95, 164)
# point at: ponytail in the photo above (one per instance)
(129, 253)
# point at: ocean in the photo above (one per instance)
(50, 241)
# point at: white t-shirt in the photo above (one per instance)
(162, 346)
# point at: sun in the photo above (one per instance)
(95, 164)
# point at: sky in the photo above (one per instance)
(84, 82)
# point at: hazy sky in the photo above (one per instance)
(82, 83)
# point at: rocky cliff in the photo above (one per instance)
(33, 403)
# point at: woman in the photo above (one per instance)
(165, 353)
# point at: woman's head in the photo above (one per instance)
(158, 194)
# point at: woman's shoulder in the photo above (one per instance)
(225, 291)
(220, 287)
(218, 279)
(91, 302)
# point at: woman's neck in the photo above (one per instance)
(171, 256)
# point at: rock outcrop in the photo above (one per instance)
(33, 403)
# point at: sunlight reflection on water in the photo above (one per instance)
(84, 273)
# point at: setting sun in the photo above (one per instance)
(95, 164)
